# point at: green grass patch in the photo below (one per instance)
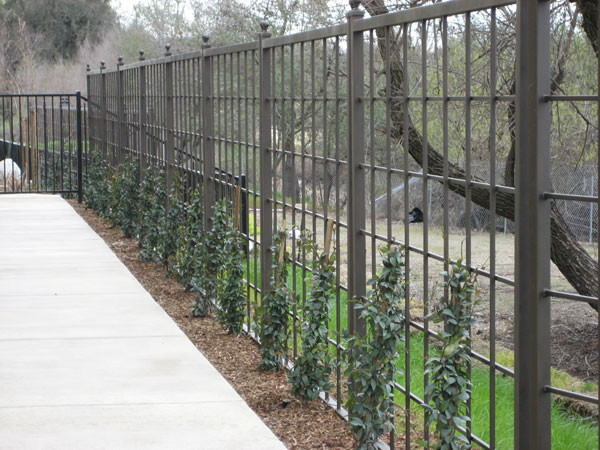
(569, 430)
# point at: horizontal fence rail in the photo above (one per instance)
(392, 128)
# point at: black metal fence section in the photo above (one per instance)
(43, 143)
(344, 123)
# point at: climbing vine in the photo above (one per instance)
(187, 262)
(95, 190)
(231, 295)
(152, 199)
(450, 387)
(169, 228)
(371, 369)
(272, 315)
(313, 367)
(126, 194)
(206, 282)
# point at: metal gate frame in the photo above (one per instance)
(42, 140)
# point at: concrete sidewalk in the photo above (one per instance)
(88, 360)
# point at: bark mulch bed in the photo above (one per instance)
(300, 425)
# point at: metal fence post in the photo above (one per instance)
(266, 186)
(208, 145)
(120, 110)
(357, 284)
(169, 125)
(103, 117)
(142, 117)
(91, 119)
(532, 243)
(79, 148)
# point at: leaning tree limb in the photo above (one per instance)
(573, 261)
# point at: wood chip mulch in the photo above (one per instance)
(299, 425)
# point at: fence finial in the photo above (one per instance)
(264, 26)
(205, 39)
(142, 57)
(120, 61)
(87, 68)
(354, 4)
(102, 65)
(168, 50)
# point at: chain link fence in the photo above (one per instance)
(582, 217)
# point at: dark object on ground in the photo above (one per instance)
(284, 403)
(415, 216)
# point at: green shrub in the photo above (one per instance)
(206, 282)
(152, 200)
(112, 211)
(371, 358)
(127, 197)
(96, 190)
(169, 228)
(273, 313)
(231, 294)
(449, 387)
(187, 263)
(312, 368)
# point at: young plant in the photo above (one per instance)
(152, 200)
(206, 281)
(231, 295)
(450, 387)
(187, 262)
(127, 198)
(312, 368)
(273, 314)
(113, 181)
(96, 190)
(169, 229)
(371, 368)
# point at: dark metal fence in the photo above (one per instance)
(43, 143)
(331, 124)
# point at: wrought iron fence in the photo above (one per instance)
(346, 123)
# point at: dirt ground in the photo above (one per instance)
(299, 425)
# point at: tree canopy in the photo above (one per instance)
(62, 25)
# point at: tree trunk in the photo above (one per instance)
(589, 10)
